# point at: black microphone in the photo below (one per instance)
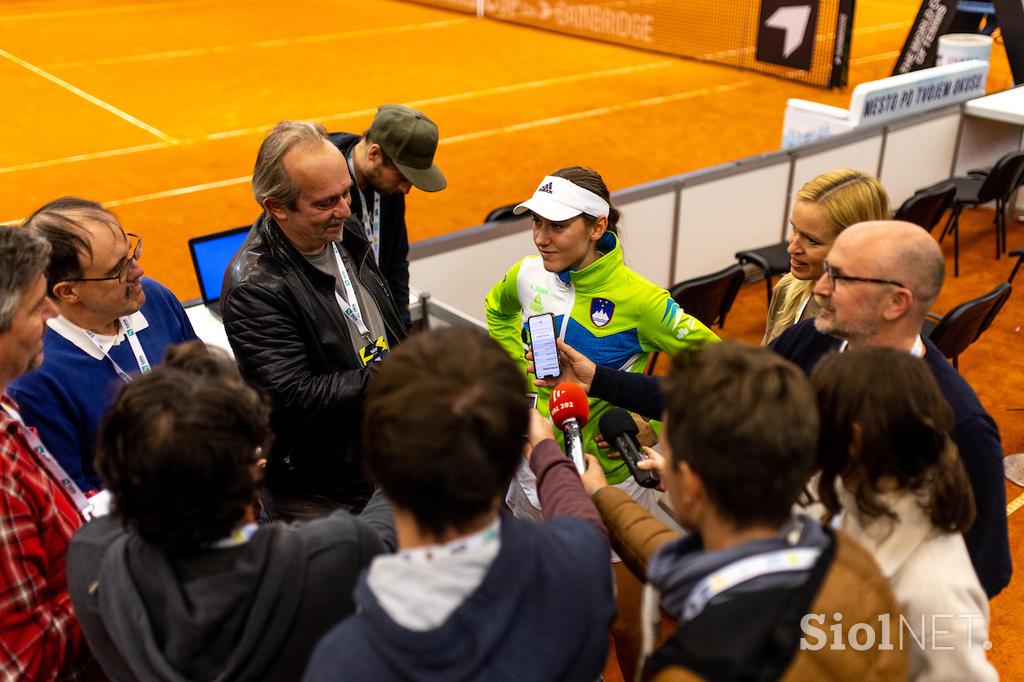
(619, 429)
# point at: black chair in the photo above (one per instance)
(998, 185)
(927, 205)
(709, 298)
(502, 214)
(965, 323)
(1019, 253)
(774, 260)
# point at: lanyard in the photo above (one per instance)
(72, 490)
(455, 547)
(372, 228)
(133, 341)
(239, 536)
(350, 307)
(803, 307)
(727, 577)
(917, 351)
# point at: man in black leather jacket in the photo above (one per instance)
(308, 315)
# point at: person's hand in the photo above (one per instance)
(653, 462)
(576, 368)
(593, 477)
(540, 429)
(645, 436)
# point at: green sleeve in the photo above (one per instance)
(666, 327)
(505, 314)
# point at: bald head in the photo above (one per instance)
(904, 251)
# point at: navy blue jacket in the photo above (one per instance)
(541, 613)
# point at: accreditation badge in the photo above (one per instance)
(374, 352)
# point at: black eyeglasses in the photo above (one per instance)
(834, 277)
(122, 273)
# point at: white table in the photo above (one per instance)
(992, 126)
(207, 327)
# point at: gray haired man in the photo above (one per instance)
(41, 507)
(309, 316)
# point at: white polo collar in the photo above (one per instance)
(77, 336)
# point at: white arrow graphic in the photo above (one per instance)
(792, 20)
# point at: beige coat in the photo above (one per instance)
(934, 583)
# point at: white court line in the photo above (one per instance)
(876, 57)
(191, 189)
(443, 99)
(590, 113)
(881, 28)
(600, 111)
(258, 45)
(58, 14)
(86, 96)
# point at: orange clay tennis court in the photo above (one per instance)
(156, 109)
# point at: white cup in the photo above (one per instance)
(961, 47)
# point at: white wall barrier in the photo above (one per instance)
(693, 224)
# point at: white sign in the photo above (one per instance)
(885, 100)
(792, 20)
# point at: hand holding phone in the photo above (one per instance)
(543, 347)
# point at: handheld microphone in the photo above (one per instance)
(570, 411)
(619, 429)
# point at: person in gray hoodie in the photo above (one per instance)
(179, 582)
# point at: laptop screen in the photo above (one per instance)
(210, 257)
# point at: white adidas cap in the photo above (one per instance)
(557, 199)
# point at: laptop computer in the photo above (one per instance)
(211, 255)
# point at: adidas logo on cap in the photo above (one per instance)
(546, 188)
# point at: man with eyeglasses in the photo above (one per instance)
(386, 162)
(114, 324)
(880, 280)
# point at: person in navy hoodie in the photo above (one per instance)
(473, 593)
(113, 324)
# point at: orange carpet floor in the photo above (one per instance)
(156, 108)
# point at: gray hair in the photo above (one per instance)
(23, 257)
(269, 178)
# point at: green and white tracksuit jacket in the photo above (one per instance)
(606, 311)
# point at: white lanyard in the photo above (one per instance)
(372, 228)
(803, 307)
(917, 351)
(351, 306)
(239, 536)
(727, 577)
(455, 547)
(78, 498)
(133, 341)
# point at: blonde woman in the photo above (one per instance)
(824, 207)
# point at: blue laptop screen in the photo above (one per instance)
(212, 257)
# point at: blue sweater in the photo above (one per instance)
(67, 397)
(541, 613)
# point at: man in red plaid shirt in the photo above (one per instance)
(40, 508)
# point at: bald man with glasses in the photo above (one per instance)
(114, 324)
(880, 280)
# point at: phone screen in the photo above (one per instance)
(542, 342)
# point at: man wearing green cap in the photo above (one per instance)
(389, 159)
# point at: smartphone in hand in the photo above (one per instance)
(542, 344)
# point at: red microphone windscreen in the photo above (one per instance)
(568, 401)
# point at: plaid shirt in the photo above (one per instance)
(39, 636)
